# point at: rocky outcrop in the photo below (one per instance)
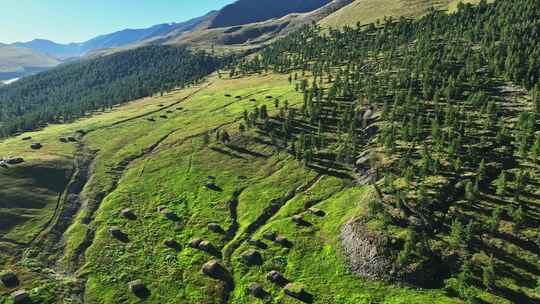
(366, 251)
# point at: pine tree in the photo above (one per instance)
(536, 98)
(495, 220)
(500, 182)
(470, 191)
(456, 233)
(465, 275)
(408, 250)
(517, 215)
(535, 150)
(206, 139)
(488, 274)
(468, 233)
(481, 174)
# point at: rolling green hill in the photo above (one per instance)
(15, 62)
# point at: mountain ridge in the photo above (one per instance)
(115, 39)
(262, 10)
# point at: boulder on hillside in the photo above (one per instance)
(283, 241)
(297, 291)
(251, 257)
(215, 270)
(14, 161)
(276, 278)
(270, 235)
(138, 288)
(129, 214)
(36, 146)
(161, 208)
(300, 221)
(118, 234)
(256, 290)
(317, 212)
(207, 247)
(216, 228)
(194, 243)
(168, 214)
(9, 279)
(20, 297)
(173, 244)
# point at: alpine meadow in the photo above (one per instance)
(321, 151)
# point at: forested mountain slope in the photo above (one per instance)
(453, 101)
(71, 91)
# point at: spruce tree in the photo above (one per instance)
(500, 182)
(488, 274)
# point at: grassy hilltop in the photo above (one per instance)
(368, 11)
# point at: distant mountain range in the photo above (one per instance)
(24, 58)
(16, 62)
(113, 40)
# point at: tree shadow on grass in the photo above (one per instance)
(228, 153)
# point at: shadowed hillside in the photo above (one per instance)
(249, 11)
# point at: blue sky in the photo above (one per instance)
(79, 20)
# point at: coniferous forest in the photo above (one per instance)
(71, 91)
(448, 107)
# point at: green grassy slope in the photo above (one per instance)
(141, 165)
(14, 59)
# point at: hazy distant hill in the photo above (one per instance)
(16, 61)
(116, 39)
